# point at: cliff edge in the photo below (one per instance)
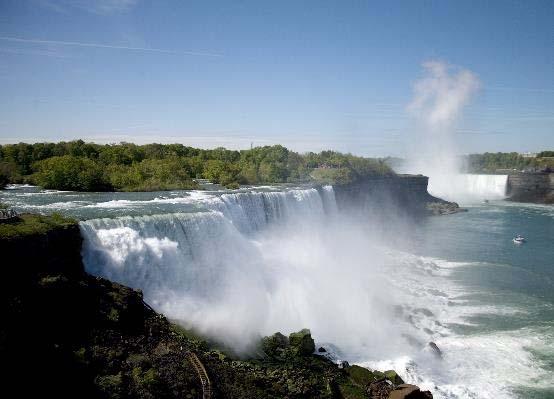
(537, 187)
(404, 195)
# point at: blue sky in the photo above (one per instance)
(310, 75)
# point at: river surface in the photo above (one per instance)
(239, 264)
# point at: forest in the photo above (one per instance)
(80, 166)
(490, 162)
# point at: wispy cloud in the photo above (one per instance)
(106, 46)
(102, 7)
(45, 53)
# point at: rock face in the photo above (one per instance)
(531, 187)
(402, 195)
(302, 342)
(407, 391)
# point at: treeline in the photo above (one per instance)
(81, 166)
(496, 162)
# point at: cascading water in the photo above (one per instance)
(468, 188)
(210, 269)
(486, 186)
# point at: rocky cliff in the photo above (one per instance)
(65, 333)
(403, 195)
(531, 187)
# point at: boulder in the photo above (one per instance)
(436, 351)
(393, 377)
(301, 342)
(408, 391)
(275, 344)
(360, 375)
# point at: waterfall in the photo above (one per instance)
(469, 187)
(205, 268)
(486, 186)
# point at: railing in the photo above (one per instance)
(202, 374)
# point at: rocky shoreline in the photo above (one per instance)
(68, 334)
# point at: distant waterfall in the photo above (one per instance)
(486, 186)
(469, 187)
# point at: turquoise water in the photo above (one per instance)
(511, 287)
(462, 283)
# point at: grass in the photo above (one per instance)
(29, 224)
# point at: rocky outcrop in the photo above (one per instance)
(408, 391)
(531, 187)
(403, 195)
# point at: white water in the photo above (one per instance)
(249, 264)
(468, 188)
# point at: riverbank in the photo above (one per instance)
(66, 333)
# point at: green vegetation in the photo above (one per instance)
(81, 166)
(501, 161)
(29, 224)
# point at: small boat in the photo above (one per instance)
(519, 239)
(485, 201)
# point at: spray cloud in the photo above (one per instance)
(438, 101)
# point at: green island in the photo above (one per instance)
(81, 166)
(69, 334)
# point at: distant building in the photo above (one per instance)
(529, 154)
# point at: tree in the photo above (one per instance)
(70, 173)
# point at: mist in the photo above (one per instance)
(439, 99)
(235, 278)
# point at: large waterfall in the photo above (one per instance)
(469, 187)
(240, 266)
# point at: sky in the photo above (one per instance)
(310, 75)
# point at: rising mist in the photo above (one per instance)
(439, 99)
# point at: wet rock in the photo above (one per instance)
(360, 375)
(343, 364)
(408, 391)
(275, 344)
(302, 343)
(380, 389)
(321, 349)
(392, 376)
(444, 208)
(436, 351)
